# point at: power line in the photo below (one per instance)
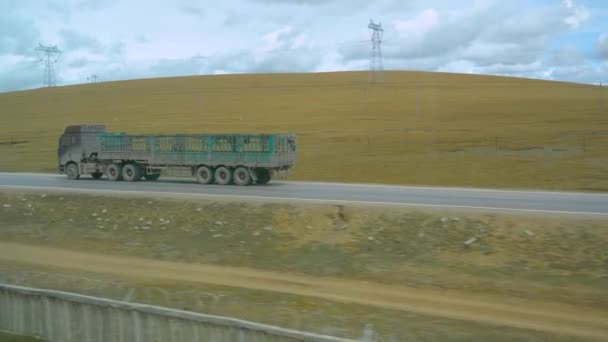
(604, 92)
(50, 56)
(92, 78)
(376, 65)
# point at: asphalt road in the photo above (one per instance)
(535, 201)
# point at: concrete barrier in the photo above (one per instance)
(66, 317)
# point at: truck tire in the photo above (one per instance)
(152, 176)
(131, 172)
(263, 176)
(114, 172)
(204, 175)
(96, 175)
(241, 176)
(72, 171)
(223, 175)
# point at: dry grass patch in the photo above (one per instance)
(296, 312)
(555, 257)
(418, 128)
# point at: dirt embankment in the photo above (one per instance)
(549, 317)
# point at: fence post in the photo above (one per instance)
(368, 333)
(584, 144)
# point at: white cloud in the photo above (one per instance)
(585, 72)
(532, 70)
(568, 56)
(460, 66)
(301, 41)
(548, 73)
(281, 50)
(332, 61)
(578, 14)
(274, 40)
(487, 53)
(419, 26)
(286, 49)
(178, 67)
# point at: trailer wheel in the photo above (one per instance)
(263, 176)
(114, 172)
(72, 171)
(96, 175)
(131, 172)
(152, 176)
(242, 176)
(223, 175)
(204, 175)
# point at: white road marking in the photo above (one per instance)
(296, 199)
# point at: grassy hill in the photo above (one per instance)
(416, 128)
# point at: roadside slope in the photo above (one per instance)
(549, 317)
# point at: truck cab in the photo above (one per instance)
(78, 144)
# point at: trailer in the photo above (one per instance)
(240, 159)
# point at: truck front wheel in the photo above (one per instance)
(114, 172)
(72, 171)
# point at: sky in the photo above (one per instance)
(565, 40)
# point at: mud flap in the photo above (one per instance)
(254, 177)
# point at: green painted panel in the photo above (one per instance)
(192, 149)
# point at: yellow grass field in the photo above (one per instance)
(415, 128)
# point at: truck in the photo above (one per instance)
(240, 159)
